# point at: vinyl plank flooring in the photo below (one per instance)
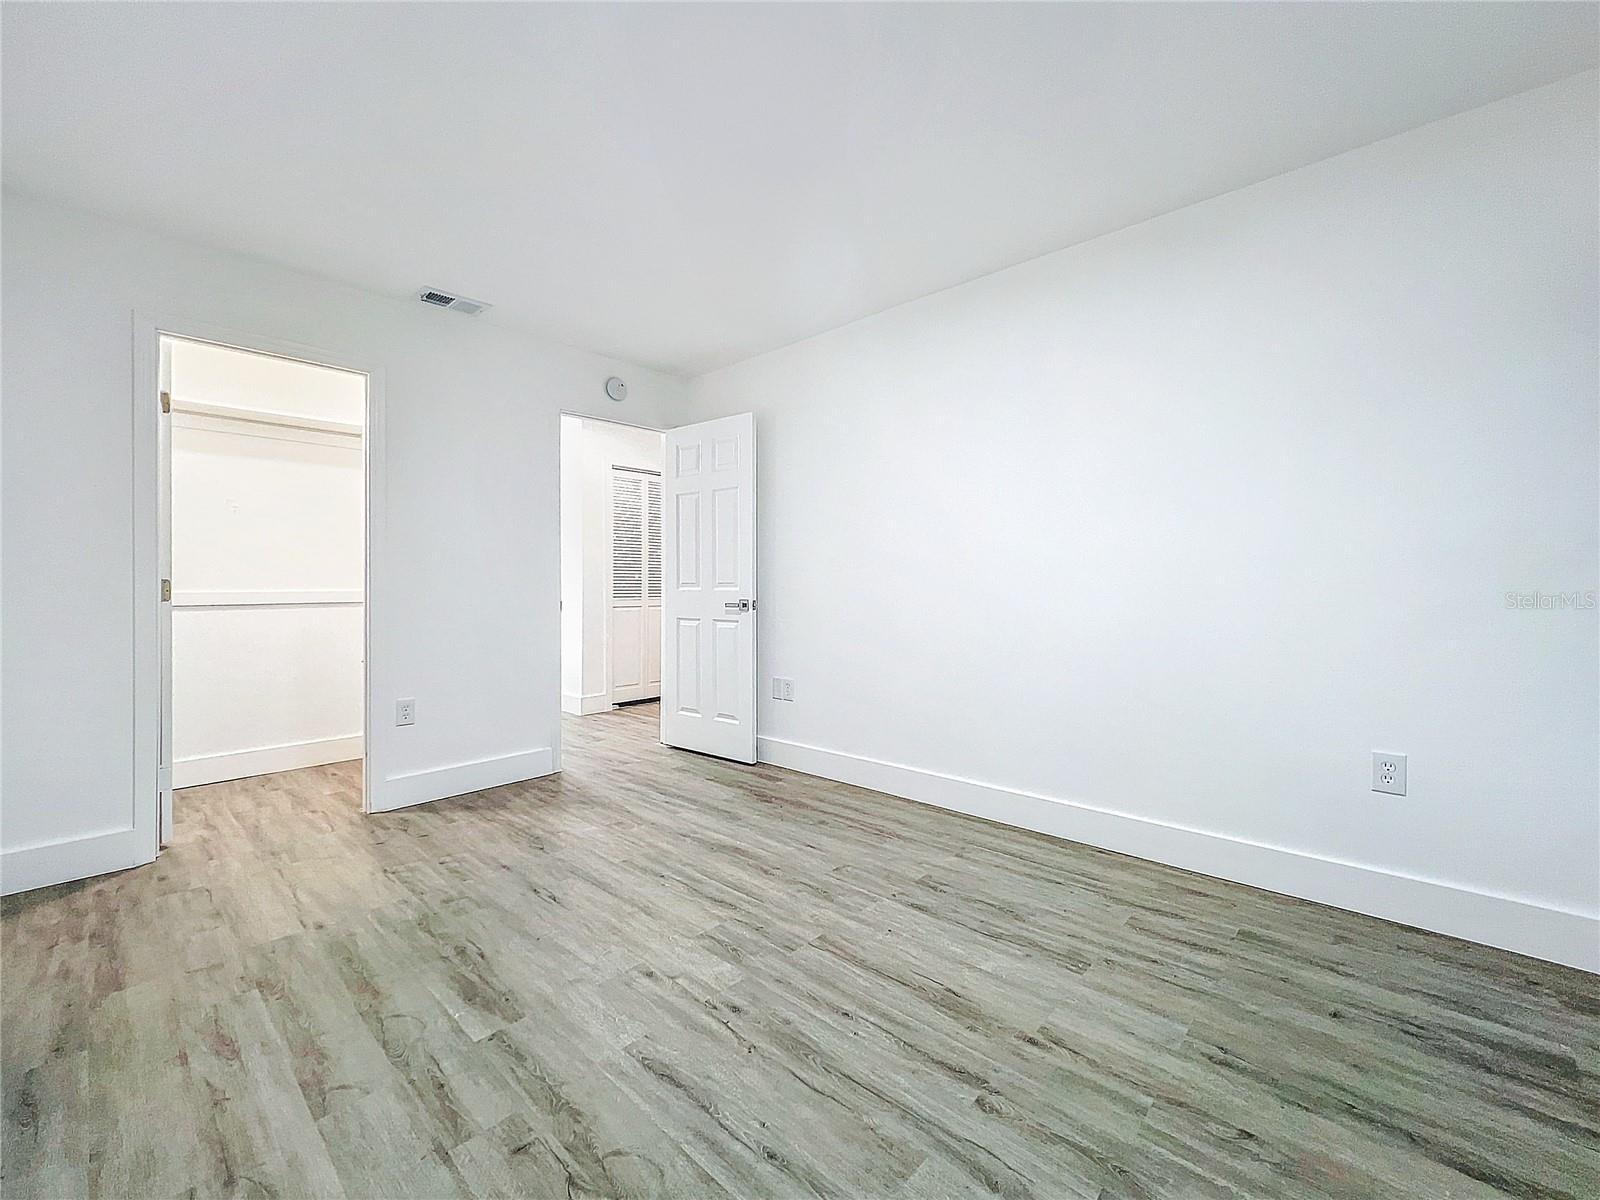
(658, 974)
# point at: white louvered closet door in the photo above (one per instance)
(635, 616)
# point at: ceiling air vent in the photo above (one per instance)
(458, 304)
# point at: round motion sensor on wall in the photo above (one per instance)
(616, 388)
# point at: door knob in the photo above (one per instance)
(739, 605)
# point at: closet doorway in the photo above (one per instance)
(262, 520)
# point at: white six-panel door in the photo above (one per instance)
(708, 668)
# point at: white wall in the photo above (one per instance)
(1148, 542)
(1151, 542)
(267, 564)
(589, 451)
(469, 461)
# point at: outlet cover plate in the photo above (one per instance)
(782, 689)
(405, 712)
(1389, 773)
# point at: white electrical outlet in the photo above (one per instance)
(782, 689)
(1389, 773)
(405, 712)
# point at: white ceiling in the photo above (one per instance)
(688, 186)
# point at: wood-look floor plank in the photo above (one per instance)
(658, 974)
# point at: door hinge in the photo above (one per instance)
(166, 402)
(166, 591)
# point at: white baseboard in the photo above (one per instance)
(418, 787)
(30, 867)
(1554, 934)
(240, 764)
(577, 705)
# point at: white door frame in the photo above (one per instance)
(147, 536)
